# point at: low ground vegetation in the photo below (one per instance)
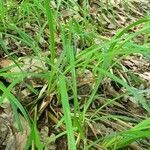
(75, 75)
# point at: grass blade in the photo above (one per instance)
(67, 115)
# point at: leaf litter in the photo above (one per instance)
(106, 23)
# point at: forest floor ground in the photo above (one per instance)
(112, 89)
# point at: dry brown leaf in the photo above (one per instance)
(44, 139)
(145, 76)
(21, 137)
(28, 64)
(10, 136)
(5, 62)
